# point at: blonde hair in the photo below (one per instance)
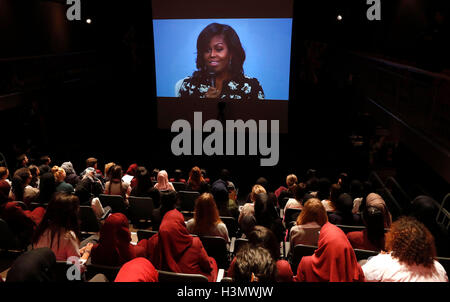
(291, 180)
(58, 173)
(257, 189)
(108, 167)
(313, 211)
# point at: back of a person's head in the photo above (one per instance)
(344, 203)
(47, 187)
(291, 180)
(299, 191)
(44, 169)
(19, 181)
(262, 181)
(335, 192)
(195, 175)
(108, 167)
(256, 189)
(3, 172)
(116, 172)
(168, 200)
(313, 211)
(411, 242)
(373, 219)
(261, 208)
(356, 189)
(424, 209)
(224, 175)
(36, 265)
(5, 187)
(220, 192)
(343, 180)
(178, 174)
(144, 182)
(206, 214)
(264, 237)
(61, 213)
(324, 186)
(44, 160)
(91, 162)
(58, 173)
(254, 265)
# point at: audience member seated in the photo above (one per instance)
(174, 249)
(47, 187)
(424, 209)
(21, 189)
(178, 176)
(357, 193)
(116, 186)
(61, 185)
(267, 216)
(220, 192)
(34, 170)
(4, 174)
(333, 261)
(114, 247)
(59, 228)
(308, 225)
(312, 182)
(196, 182)
(343, 181)
(299, 191)
(409, 258)
(263, 237)
(168, 203)
(130, 175)
(22, 161)
(330, 202)
(343, 214)
(371, 238)
(249, 208)
(38, 265)
(137, 270)
(206, 221)
(21, 222)
(45, 160)
(154, 175)
(92, 162)
(291, 181)
(254, 265)
(108, 167)
(71, 176)
(163, 183)
(232, 199)
(89, 187)
(375, 200)
(144, 187)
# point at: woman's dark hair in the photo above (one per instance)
(300, 191)
(168, 202)
(18, 182)
(177, 174)
(262, 236)
(116, 173)
(233, 43)
(144, 182)
(34, 170)
(356, 189)
(324, 186)
(373, 219)
(61, 214)
(47, 187)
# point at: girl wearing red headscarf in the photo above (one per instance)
(114, 248)
(174, 249)
(137, 270)
(333, 261)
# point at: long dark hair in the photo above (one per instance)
(233, 43)
(61, 214)
(47, 187)
(373, 218)
(144, 183)
(18, 182)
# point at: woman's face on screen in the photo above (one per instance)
(217, 56)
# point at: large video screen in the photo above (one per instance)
(266, 44)
(229, 60)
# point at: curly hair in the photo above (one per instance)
(254, 264)
(411, 242)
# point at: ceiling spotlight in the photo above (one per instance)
(339, 18)
(88, 21)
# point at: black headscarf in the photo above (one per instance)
(38, 265)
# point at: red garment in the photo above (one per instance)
(114, 248)
(284, 271)
(174, 249)
(359, 240)
(333, 261)
(137, 270)
(179, 180)
(279, 190)
(12, 213)
(133, 183)
(132, 169)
